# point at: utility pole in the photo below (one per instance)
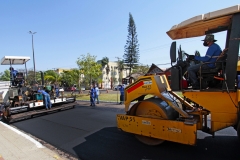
(34, 69)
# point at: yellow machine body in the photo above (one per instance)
(155, 113)
(220, 106)
(153, 124)
(156, 128)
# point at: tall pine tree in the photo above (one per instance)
(131, 49)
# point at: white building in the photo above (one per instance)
(114, 77)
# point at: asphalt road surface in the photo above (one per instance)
(90, 134)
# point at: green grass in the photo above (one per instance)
(109, 97)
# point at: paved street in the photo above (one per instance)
(91, 134)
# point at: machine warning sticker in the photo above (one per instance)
(176, 130)
(147, 82)
(143, 84)
(146, 122)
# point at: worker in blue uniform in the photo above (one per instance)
(211, 56)
(47, 100)
(121, 89)
(13, 74)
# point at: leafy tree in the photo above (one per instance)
(71, 77)
(5, 76)
(30, 77)
(90, 68)
(67, 78)
(141, 69)
(105, 62)
(120, 65)
(131, 49)
(76, 76)
(51, 77)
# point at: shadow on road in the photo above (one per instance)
(112, 144)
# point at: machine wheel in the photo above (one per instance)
(5, 117)
(154, 108)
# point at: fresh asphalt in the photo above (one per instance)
(90, 133)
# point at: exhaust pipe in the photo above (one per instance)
(42, 78)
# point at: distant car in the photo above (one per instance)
(118, 86)
(73, 88)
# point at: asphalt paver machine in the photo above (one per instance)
(21, 101)
(168, 115)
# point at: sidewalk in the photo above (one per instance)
(15, 145)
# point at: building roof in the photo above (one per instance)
(199, 25)
(154, 69)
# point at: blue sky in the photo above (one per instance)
(68, 29)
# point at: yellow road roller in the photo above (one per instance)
(165, 108)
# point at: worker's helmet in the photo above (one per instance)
(11, 68)
(209, 37)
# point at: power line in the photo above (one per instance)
(168, 44)
(163, 64)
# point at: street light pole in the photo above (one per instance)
(32, 33)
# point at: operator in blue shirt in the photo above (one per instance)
(211, 56)
(13, 74)
(47, 100)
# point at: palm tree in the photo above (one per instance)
(105, 61)
(120, 68)
(51, 77)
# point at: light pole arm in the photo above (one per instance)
(33, 61)
(34, 68)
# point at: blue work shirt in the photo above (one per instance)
(14, 73)
(121, 89)
(93, 92)
(43, 92)
(211, 56)
(97, 91)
